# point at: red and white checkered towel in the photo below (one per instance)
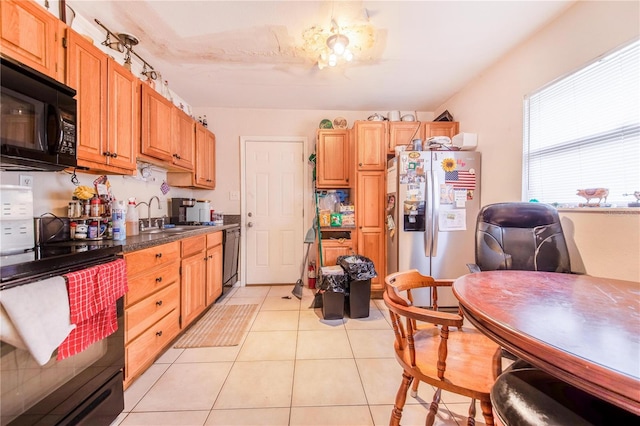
(93, 293)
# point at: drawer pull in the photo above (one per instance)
(159, 333)
(159, 303)
(159, 279)
(158, 255)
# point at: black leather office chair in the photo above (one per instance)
(526, 396)
(520, 236)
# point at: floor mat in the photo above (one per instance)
(223, 325)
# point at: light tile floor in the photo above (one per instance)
(292, 368)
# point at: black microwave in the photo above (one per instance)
(38, 127)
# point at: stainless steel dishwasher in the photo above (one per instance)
(231, 248)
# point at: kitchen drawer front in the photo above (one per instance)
(142, 286)
(193, 245)
(141, 352)
(143, 260)
(142, 315)
(214, 239)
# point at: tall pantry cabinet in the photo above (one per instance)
(356, 159)
(371, 156)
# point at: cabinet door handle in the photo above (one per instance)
(159, 303)
(159, 333)
(106, 154)
(158, 255)
(205, 258)
(360, 164)
(114, 155)
(159, 279)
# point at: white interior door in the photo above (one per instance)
(274, 204)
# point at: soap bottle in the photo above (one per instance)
(133, 226)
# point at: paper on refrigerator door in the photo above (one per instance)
(452, 220)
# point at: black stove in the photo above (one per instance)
(53, 259)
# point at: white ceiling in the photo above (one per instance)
(251, 54)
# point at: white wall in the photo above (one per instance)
(606, 243)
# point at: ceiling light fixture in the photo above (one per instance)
(337, 44)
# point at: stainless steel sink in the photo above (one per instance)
(165, 230)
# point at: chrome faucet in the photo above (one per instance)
(146, 225)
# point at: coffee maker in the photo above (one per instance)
(180, 208)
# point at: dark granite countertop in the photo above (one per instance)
(153, 238)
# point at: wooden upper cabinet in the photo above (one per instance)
(156, 126)
(87, 73)
(108, 108)
(124, 116)
(440, 128)
(205, 173)
(333, 162)
(371, 145)
(403, 133)
(182, 139)
(31, 35)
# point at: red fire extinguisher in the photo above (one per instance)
(311, 274)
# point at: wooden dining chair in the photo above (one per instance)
(434, 347)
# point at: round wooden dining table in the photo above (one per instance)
(584, 330)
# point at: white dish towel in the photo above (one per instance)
(39, 313)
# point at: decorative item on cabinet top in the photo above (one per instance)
(326, 124)
(339, 123)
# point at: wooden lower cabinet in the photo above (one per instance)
(214, 267)
(170, 286)
(332, 249)
(141, 353)
(194, 269)
(152, 311)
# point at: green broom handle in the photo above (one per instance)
(319, 231)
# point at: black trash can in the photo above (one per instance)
(359, 270)
(333, 284)
(357, 298)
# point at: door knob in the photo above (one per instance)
(249, 224)
(250, 214)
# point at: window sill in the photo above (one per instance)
(601, 210)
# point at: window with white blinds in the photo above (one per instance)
(583, 131)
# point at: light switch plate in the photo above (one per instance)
(234, 195)
(26, 180)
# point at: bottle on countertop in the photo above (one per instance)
(133, 227)
(95, 206)
(118, 222)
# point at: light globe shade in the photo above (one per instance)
(338, 43)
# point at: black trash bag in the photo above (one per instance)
(357, 267)
(333, 279)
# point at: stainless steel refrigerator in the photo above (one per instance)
(433, 198)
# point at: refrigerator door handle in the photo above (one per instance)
(429, 214)
(435, 199)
